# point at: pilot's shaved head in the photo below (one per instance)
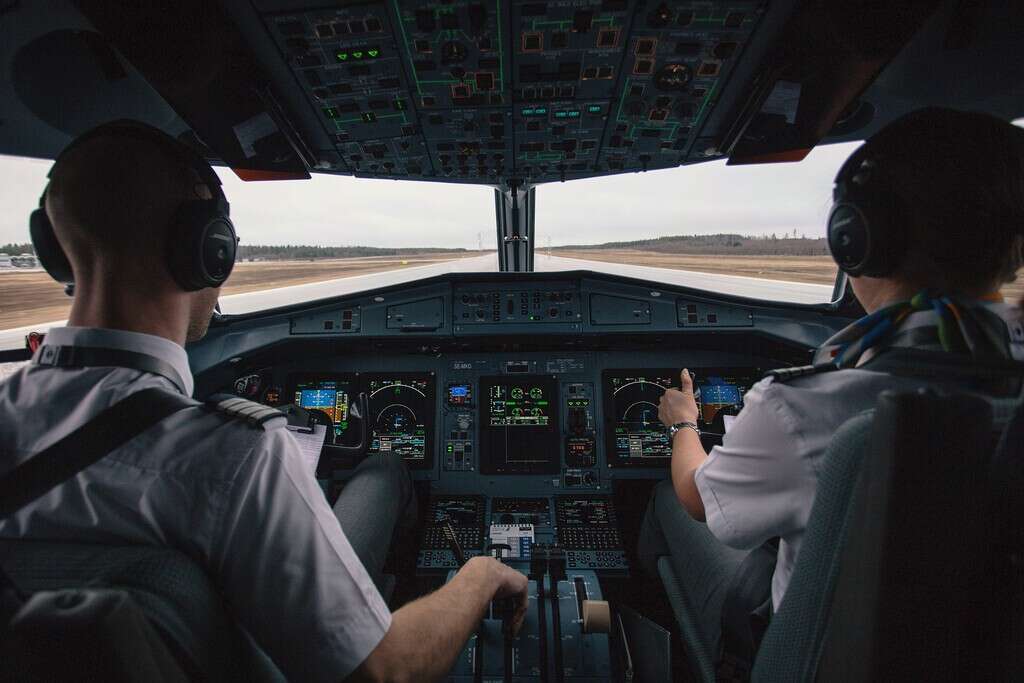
(112, 200)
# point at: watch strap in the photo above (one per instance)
(679, 426)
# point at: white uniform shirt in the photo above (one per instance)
(760, 483)
(239, 500)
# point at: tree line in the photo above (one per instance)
(285, 252)
(719, 244)
(306, 252)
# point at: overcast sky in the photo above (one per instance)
(327, 210)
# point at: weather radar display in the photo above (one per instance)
(635, 434)
(401, 415)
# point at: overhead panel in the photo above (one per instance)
(496, 91)
(567, 60)
(455, 53)
(676, 61)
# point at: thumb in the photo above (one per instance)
(684, 379)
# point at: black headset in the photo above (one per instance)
(202, 244)
(867, 227)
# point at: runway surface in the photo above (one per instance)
(795, 292)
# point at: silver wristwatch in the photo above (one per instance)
(679, 426)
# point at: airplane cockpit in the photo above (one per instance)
(522, 397)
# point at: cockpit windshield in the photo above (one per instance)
(754, 231)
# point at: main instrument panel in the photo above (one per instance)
(546, 422)
(485, 91)
(523, 409)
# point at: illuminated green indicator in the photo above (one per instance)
(534, 111)
(361, 54)
(568, 114)
(574, 113)
(451, 448)
(594, 109)
(331, 113)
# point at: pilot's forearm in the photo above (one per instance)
(427, 635)
(687, 455)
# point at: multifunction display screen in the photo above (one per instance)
(579, 511)
(634, 436)
(460, 395)
(518, 404)
(401, 415)
(519, 424)
(332, 396)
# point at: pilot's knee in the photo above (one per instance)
(651, 542)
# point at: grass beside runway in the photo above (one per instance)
(31, 297)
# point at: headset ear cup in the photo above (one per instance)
(48, 250)
(201, 246)
(849, 238)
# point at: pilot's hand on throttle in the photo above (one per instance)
(678, 405)
(507, 583)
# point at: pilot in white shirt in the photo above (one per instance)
(930, 287)
(235, 497)
(125, 204)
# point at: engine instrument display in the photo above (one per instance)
(519, 424)
(634, 435)
(329, 394)
(402, 416)
(517, 405)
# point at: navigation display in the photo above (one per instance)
(402, 416)
(635, 437)
(519, 424)
(331, 395)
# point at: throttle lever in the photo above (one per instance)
(448, 531)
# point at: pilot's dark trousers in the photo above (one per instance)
(377, 498)
(704, 566)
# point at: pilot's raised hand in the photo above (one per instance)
(678, 405)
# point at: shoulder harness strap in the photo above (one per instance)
(254, 414)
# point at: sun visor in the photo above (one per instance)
(192, 55)
(74, 80)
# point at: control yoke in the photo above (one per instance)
(360, 412)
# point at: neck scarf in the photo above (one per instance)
(927, 321)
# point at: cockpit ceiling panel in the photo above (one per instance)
(494, 90)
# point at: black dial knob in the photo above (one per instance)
(453, 52)
(673, 77)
